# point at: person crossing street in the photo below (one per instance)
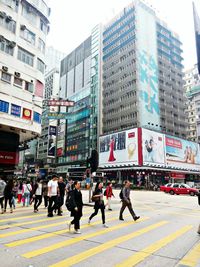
(52, 193)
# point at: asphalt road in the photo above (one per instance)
(164, 236)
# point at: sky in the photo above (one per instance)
(71, 21)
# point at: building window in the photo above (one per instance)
(7, 22)
(29, 13)
(14, 4)
(28, 86)
(43, 26)
(41, 45)
(6, 77)
(40, 65)
(18, 81)
(7, 46)
(25, 56)
(27, 35)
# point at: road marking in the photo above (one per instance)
(36, 221)
(107, 245)
(191, 258)
(22, 217)
(35, 228)
(47, 235)
(146, 252)
(71, 241)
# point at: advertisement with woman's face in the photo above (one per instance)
(182, 153)
(119, 148)
(153, 147)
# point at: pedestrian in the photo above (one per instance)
(109, 193)
(45, 193)
(37, 194)
(14, 193)
(126, 202)
(77, 207)
(69, 186)
(8, 194)
(19, 193)
(61, 195)
(52, 194)
(99, 203)
(26, 192)
(2, 187)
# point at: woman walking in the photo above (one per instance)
(19, 193)
(109, 193)
(8, 195)
(37, 194)
(77, 207)
(27, 188)
(99, 203)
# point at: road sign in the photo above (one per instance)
(64, 103)
(57, 116)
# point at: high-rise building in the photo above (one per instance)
(192, 107)
(142, 73)
(24, 26)
(53, 58)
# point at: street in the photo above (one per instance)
(165, 235)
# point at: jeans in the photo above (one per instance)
(52, 204)
(102, 208)
(26, 199)
(1, 202)
(46, 200)
(8, 198)
(37, 202)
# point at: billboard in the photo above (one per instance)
(119, 148)
(61, 139)
(153, 147)
(147, 65)
(52, 142)
(182, 153)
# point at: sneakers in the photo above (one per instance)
(105, 225)
(109, 209)
(89, 221)
(35, 211)
(50, 215)
(121, 219)
(136, 218)
(77, 231)
(11, 210)
(69, 226)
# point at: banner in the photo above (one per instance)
(15, 110)
(119, 149)
(153, 147)
(61, 130)
(182, 153)
(27, 113)
(52, 142)
(10, 158)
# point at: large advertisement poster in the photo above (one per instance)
(153, 148)
(147, 65)
(119, 149)
(52, 142)
(182, 153)
(61, 139)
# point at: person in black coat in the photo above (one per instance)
(8, 194)
(99, 203)
(77, 207)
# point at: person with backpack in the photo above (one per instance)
(8, 195)
(126, 202)
(37, 194)
(108, 193)
(52, 193)
(99, 203)
(26, 192)
(61, 195)
(2, 187)
(75, 205)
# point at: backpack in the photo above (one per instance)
(69, 201)
(121, 194)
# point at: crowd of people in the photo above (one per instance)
(54, 191)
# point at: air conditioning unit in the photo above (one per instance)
(23, 27)
(2, 39)
(17, 74)
(2, 14)
(12, 44)
(9, 18)
(4, 68)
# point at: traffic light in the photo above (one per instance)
(93, 161)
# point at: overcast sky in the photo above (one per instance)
(72, 21)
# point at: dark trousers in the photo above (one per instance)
(60, 203)
(8, 198)
(37, 202)
(1, 202)
(46, 200)
(52, 204)
(96, 209)
(76, 220)
(129, 206)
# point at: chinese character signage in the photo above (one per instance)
(57, 116)
(27, 113)
(147, 66)
(15, 110)
(64, 103)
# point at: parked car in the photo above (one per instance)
(165, 188)
(180, 189)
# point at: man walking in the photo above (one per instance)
(61, 194)
(126, 202)
(52, 193)
(2, 187)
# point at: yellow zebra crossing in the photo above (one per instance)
(191, 258)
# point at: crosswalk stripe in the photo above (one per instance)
(47, 235)
(191, 258)
(35, 221)
(34, 228)
(21, 217)
(146, 252)
(71, 241)
(90, 252)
